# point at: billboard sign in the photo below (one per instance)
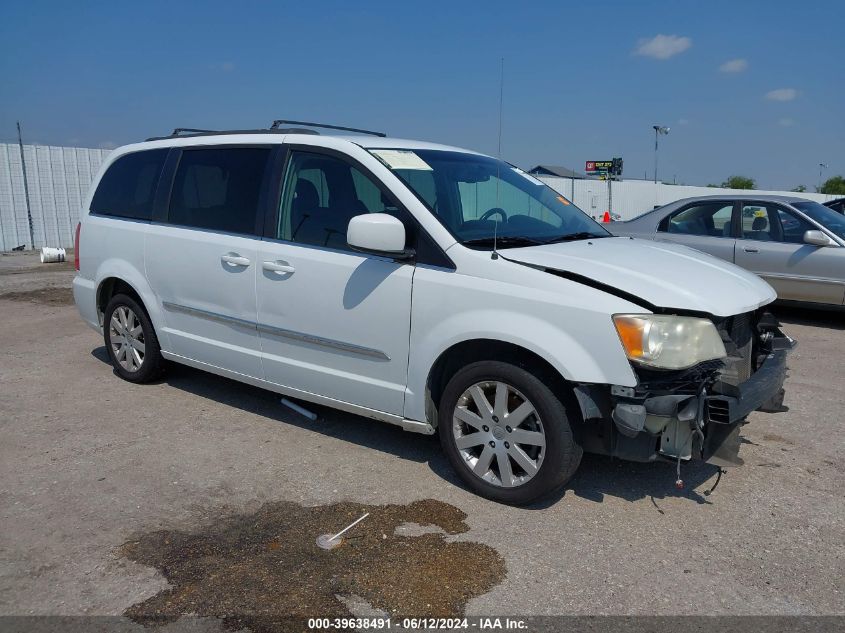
(604, 167)
(598, 166)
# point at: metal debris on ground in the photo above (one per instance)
(327, 541)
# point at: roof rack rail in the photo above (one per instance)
(326, 126)
(190, 130)
(186, 132)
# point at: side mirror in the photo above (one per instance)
(817, 238)
(379, 234)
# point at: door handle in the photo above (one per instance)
(233, 259)
(279, 266)
(750, 249)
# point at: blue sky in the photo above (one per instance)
(748, 87)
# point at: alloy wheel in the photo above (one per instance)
(127, 338)
(498, 434)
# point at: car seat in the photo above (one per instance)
(759, 230)
(305, 203)
(318, 225)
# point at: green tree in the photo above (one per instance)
(799, 189)
(739, 182)
(834, 185)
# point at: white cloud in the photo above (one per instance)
(662, 46)
(782, 94)
(786, 122)
(734, 66)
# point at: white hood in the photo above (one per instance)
(664, 275)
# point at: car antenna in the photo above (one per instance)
(495, 254)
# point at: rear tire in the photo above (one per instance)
(131, 341)
(506, 434)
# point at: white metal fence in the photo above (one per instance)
(630, 198)
(58, 179)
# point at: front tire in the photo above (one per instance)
(131, 340)
(506, 434)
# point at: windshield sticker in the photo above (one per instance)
(528, 177)
(401, 159)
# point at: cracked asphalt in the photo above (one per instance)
(89, 463)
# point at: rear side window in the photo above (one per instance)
(219, 189)
(127, 189)
(712, 219)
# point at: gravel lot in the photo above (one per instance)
(89, 463)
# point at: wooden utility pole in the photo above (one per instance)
(26, 190)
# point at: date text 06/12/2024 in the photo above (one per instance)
(420, 624)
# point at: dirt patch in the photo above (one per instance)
(263, 571)
(60, 296)
(40, 268)
(774, 437)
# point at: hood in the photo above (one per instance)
(663, 275)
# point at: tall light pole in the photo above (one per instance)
(658, 130)
(821, 167)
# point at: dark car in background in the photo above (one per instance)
(837, 205)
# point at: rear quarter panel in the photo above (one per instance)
(111, 247)
(114, 247)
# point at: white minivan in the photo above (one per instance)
(426, 286)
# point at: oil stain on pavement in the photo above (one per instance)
(261, 570)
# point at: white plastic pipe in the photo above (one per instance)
(300, 410)
(351, 525)
(51, 255)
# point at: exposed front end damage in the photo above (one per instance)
(694, 413)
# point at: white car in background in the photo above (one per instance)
(795, 244)
(426, 286)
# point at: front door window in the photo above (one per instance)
(772, 223)
(321, 195)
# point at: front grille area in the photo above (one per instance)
(678, 381)
(737, 334)
(718, 411)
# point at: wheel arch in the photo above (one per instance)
(115, 276)
(474, 350)
(111, 286)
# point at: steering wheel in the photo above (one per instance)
(494, 211)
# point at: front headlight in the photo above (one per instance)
(668, 342)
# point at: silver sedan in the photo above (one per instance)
(795, 244)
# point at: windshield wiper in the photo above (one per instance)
(503, 241)
(571, 237)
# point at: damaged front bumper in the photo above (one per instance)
(696, 413)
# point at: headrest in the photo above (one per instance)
(760, 224)
(305, 195)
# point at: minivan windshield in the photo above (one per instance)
(478, 198)
(827, 217)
